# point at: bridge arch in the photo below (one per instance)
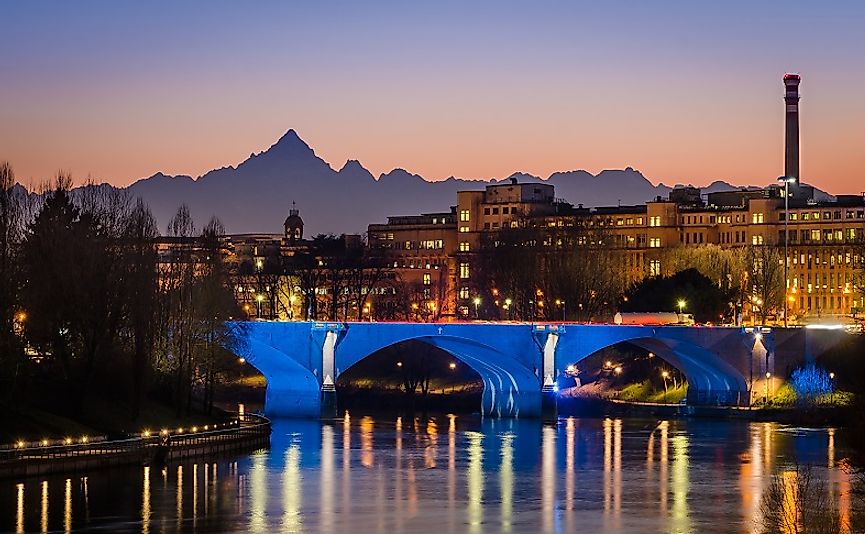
(711, 379)
(510, 389)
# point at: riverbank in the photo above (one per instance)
(245, 432)
(810, 416)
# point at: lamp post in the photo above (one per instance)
(508, 307)
(832, 389)
(768, 377)
(477, 303)
(258, 299)
(787, 180)
(561, 303)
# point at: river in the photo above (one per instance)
(451, 474)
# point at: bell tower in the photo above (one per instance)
(293, 226)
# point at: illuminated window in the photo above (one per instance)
(464, 215)
(464, 270)
(654, 242)
(757, 240)
(655, 268)
(464, 293)
(464, 229)
(756, 218)
(427, 279)
(464, 246)
(655, 220)
(408, 245)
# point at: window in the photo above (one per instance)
(464, 293)
(654, 242)
(639, 220)
(757, 240)
(464, 246)
(505, 210)
(486, 211)
(495, 211)
(756, 218)
(655, 268)
(815, 235)
(464, 270)
(464, 229)
(408, 245)
(655, 220)
(427, 279)
(464, 215)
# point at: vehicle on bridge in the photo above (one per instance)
(654, 318)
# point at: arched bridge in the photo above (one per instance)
(519, 363)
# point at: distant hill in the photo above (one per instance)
(256, 195)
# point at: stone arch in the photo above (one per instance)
(711, 380)
(510, 388)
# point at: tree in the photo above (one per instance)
(140, 256)
(703, 298)
(534, 266)
(215, 303)
(74, 289)
(12, 316)
(766, 280)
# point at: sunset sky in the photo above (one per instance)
(684, 91)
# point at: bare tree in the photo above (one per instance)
(766, 280)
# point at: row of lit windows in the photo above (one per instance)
(629, 221)
(834, 303)
(825, 215)
(826, 235)
(434, 264)
(829, 260)
(505, 210)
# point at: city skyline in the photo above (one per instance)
(685, 94)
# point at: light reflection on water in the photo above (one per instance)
(451, 474)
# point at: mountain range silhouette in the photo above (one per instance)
(255, 196)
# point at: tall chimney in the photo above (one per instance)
(791, 150)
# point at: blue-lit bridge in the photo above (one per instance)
(519, 363)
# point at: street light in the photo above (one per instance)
(681, 305)
(560, 302)
(786, 180)
(258, 299)
(832, 389)
(477, 303)
(452, 366)
(768, 376)
(508, 307)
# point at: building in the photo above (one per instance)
(825, 255)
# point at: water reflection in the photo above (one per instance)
(454, 474)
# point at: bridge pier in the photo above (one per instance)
(328, 387)
(549, 390)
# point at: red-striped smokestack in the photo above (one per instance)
(791, 151)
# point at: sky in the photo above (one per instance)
(685, 92)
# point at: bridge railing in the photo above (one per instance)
(243, 427)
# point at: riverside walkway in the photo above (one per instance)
(28, 459)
